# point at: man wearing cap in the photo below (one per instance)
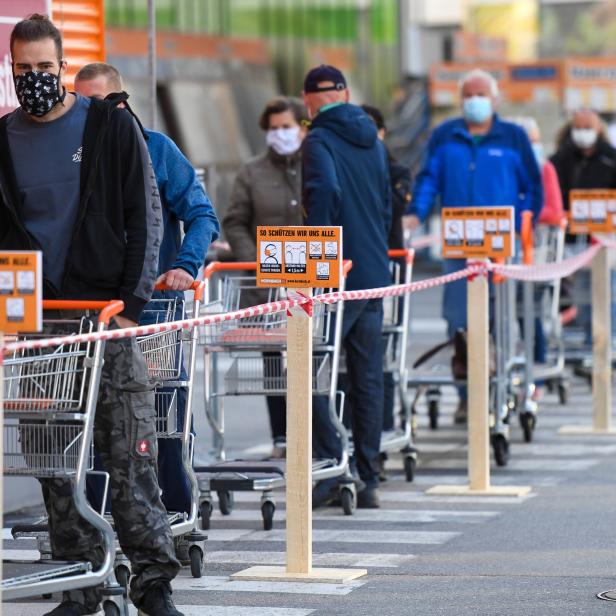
(346, 183)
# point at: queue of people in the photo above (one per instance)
(105, 199)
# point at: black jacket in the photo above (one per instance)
(578, 171)
(113, 251)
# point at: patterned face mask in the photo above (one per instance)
(38, 92)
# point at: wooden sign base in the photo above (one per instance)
(280, 574)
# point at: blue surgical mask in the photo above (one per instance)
(477, 109)
(539, 153)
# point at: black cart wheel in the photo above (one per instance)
(206, 514)
(122, 574)
(196, 561)
(225, 502)
(348, 500)
(501, 449)
(563, 393)
(433, 413)
(267, 511)
(527, 423)
(111, 609)
(409, 467)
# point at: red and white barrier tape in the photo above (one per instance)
(546, 272)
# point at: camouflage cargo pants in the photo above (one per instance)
(125, 438)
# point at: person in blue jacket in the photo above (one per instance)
(185, 201)
(473, 161)
(345, 178)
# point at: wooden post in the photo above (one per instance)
(601, 342)
(299, 442)
(299, 466)
(478, 384)
(601, 349)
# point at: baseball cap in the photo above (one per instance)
(323, 73)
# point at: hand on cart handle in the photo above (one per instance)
(108, 309)
(197, 286)
(527, 237)
(175, 280)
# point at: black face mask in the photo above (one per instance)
(38, 92)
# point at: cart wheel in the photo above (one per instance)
(196, 561)
(206, 514)
(501, 449)
(122, 574)
(409, 468)
(433, 412)
(563, 393)
(348, 500)
(267, 511)
(527, 422)
(111, 609)
(549, 385)
(225, 502)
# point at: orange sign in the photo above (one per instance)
(21, 284)
(299, 256)
(478, 232)
(592, 211)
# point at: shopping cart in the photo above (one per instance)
(164, 354)
(50, 397)
(230, 286)
(396, 313)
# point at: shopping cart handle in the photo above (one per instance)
(527, 237)
(198, 286)
(402, 253)
(225, 266)
(107, 309)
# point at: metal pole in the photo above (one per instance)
(152, 62)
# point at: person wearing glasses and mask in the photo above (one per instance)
(267, 191)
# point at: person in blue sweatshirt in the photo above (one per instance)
(184, 200)
(472, 161)
(345, 175)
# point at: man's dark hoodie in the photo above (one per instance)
(346, 182)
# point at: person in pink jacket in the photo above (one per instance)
(552, 211)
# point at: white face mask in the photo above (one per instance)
(284, 141)
(584, 138)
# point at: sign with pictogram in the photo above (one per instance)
(592, 211)
(478, 232)
(299, 256)
(21, 289)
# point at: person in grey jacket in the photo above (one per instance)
(267, 191)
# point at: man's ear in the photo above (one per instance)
(63, 67)
(347, 96)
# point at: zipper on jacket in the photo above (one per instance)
(88, 190)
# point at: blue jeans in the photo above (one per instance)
(362, 340)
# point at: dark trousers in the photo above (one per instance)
(362, 340)
(276, 405)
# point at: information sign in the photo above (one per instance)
(299, 256)
(592, 211)
(478, 232)
(21, 275)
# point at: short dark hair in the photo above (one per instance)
(97, 69)
(376, 115)
(37, 27)
(280, 104)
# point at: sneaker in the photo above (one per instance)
(279, 450)
(368, 498)
(459, 417)
(325, 493)
(157, 601)
(72, 608)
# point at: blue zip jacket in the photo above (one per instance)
(183, 199)
(345, 179)
(498, 170)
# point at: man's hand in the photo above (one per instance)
(176, 280)
(123, 322)
(411, 222)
